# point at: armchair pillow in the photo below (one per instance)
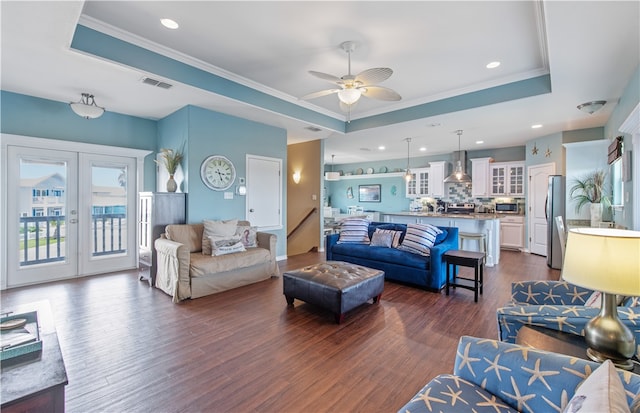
(222, 230)
(602, 391)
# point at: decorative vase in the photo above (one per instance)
(172, 186)
(596, 214)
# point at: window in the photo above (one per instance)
(617, 185)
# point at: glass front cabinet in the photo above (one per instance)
(507, 179)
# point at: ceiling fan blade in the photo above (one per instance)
(374, 75)
(320, 94)
(325, 76)
(380, 93)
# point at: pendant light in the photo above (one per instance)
(458, 175)
(87, 107)
(332, 176)
(407, 175)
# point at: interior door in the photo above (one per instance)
(537, 198)
(264, 192)
(41, 215)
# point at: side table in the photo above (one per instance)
(557, 342)
(35, 384)
(464, 258)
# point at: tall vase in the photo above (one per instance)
(172, 186)
(596, 214)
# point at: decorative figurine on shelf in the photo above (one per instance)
(170, 159)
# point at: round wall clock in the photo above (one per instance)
(217, 172)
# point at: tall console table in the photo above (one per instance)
(157, 210)
(35, 382)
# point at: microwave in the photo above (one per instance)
(507, 208)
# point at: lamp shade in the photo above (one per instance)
(349, 95)
(603, 259)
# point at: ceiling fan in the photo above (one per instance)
(352, 87)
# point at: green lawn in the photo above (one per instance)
(42, 241)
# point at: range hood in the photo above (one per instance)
(459, 175)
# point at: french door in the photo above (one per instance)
(68, 214)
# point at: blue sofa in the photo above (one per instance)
(428, 272)
(492, 376)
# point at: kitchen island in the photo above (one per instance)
(488, 224)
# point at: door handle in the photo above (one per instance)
(73, 221)
(251, 210)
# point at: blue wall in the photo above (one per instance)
(211, 133)
(42, 118)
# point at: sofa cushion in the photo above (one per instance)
(354, 230)
(206, 264)
(381, 239)
(223, 247)
(186, 234)
(420, 238)
(220, 230)
(381, 254)
(388, 226)
(393, 234)
(247, 235)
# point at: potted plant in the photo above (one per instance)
(170, 159)
(591, 190)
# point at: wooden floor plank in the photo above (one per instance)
(128, 348)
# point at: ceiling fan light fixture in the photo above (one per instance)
(332, 176)
(407, 174)
(349, 96)
(87, 107)
(592, 107)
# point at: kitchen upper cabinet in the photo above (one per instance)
(437, 172)
(480, 177)
(418, 186)
(506, 179)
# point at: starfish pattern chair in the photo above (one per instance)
(493, 376)
(561, 306)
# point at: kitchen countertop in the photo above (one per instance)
(445, 215)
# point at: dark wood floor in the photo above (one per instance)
(127, 348)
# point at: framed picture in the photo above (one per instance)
(369, 193)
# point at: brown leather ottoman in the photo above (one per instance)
(335, 285)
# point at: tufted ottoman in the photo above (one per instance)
(335, 285)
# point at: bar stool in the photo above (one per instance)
(473, 236)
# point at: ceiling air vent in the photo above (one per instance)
(313, 129)
(157, 83)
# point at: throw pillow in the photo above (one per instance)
(441, 236)
(380, 239)
(247, 235)
(602, 391)
(222, 247)
(219, 229)
(354, 230)
(419, 238)
(395, 236)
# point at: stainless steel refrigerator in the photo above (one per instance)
(554, 207)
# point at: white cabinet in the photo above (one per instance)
(436, 179)
(512, 232)
(418, 186)
(506, 179)
(480, 177)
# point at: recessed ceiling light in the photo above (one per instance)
(479, 142)
(536, 126)
(381, 148)
(493, 65)
(169, 24)
(423, 149)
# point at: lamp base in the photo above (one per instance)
(599, 357)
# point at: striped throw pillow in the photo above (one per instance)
(419, 238)
(395, 236)
(354, 230)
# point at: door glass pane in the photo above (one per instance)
(42, 210)
(108, 210)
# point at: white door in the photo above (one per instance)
(42, 205)
(537, 197)
(67, 214)
(264, 192)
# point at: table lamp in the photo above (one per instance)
(605, 260)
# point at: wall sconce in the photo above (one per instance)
(296, 177)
